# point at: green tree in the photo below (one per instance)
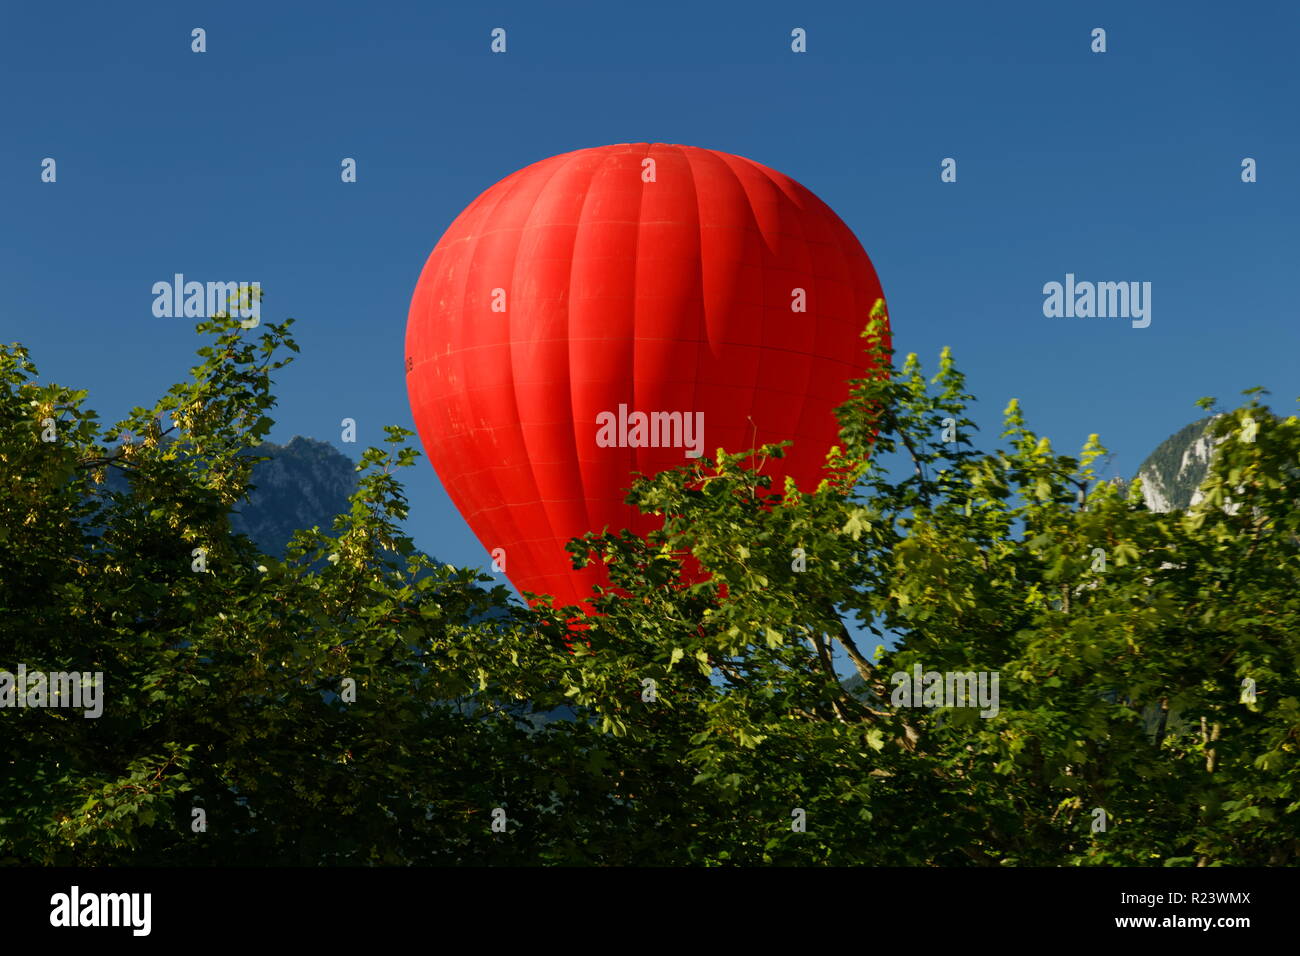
(708, 724)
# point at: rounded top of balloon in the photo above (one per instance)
(626, 309)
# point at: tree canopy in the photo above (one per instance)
(357, 703)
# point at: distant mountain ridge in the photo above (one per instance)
(1172, 474)
(303, 484)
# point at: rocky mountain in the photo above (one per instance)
(1172, 474)
(306, 483)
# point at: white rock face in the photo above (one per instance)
(1179, 490)
(1154, 492)
(1194, 466)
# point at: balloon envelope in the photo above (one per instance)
(700, 290)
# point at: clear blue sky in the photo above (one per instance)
(225, 165)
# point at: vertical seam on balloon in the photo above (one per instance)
(761, 350)
(606, 160)
(702, 340)
(632, 511)
(560, 167)
(813, 355)
(704, 314)
(535, 550)
(507, 513)
(485, 217)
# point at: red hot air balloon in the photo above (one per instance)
(624, 309)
